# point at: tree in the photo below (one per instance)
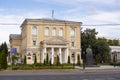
(68, 59)
(100, 46)
(3, 56)
(115, 42)
(44, 62)
(58, 61)
(78, 61)
(88, 37)
(102, 49)
(47, 59)
(24, 60)
(35, 61)
(96, 59)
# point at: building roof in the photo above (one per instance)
(50, 20)
(15, 36)
(115, 48)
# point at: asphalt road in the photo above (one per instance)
(107, 76)
(76, 74)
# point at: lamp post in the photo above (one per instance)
(73, 57)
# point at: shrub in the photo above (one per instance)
(68, 59)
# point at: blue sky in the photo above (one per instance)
(86, 11)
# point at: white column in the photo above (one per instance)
(42, 55)
(45, 53)
(52, 56)
(66, 55)
(60, 55)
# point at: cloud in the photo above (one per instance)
(86, 11)
(104, 18)
(1, 9)
(6, 30)
(74, 2)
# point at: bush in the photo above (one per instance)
(78, 60)
(40, 66)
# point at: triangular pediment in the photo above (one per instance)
(56, 40)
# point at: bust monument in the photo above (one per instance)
(89, 56)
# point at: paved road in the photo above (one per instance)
(108, 76)
(76, 74)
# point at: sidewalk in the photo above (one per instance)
(100, 67)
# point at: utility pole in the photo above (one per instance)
(52, 14)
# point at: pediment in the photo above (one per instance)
(56, 40)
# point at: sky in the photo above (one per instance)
(89, 12)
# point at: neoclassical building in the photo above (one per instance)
(52, 37)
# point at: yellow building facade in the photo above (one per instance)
(52, 37)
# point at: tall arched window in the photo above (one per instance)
(46, 31)
(54, 32)
(72, 33)
(34, 30)
(61, 32)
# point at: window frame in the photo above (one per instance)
(34, 42)
(54, 31)
(61, 32)
(46, 31)
(34, 30)
(72, 32)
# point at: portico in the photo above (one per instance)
(55, 47)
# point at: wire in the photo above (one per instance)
(102, 25)
(81, 25)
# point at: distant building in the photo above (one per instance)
(48, 36)
(115, 51)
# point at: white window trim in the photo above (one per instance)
(32, 31)
(47, 31)
(72, 32)
(54, 31)
(61, 32)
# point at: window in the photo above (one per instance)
(34, 42)
(61, 32)
(34, 30)
(72, 33)
(28, 54)
(46, 31)
(54, 32)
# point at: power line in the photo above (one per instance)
(82, 25)
(101, 25)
